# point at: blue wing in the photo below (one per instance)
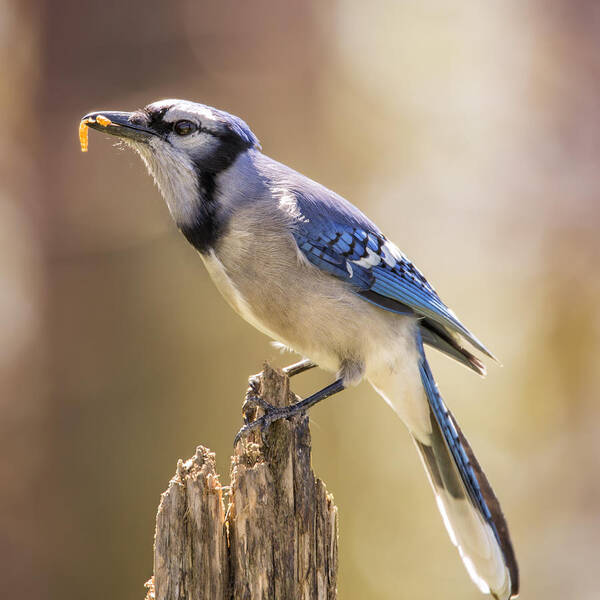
(338, 238)
(362, 256)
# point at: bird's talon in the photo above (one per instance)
(249, 408)
(254, 383)
(239, 434)
(272, 414)
(256, 401)
(251, 426)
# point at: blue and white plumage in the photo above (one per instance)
(307, 268)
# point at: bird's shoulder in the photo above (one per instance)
(327, 226)
(315, 204)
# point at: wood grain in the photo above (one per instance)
(271, 535)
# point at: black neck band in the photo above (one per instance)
(208, 226)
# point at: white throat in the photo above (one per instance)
(174, 174)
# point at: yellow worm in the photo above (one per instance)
(104, 121)
(83, 129)
(83, 134)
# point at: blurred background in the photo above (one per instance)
(469, 131)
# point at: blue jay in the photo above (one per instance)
(308, 269)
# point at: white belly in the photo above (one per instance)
(229, 291)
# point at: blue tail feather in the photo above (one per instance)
(446, 432)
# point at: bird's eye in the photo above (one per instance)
(185, 127)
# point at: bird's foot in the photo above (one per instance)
(272, 414)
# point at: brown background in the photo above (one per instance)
(468, 131)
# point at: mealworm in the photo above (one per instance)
(83, 134)
(83, 129)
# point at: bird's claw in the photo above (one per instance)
(254, 383)
(272, 413)
(253, 398)
(251, 426)
(253, 401)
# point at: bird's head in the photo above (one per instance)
(208, 137)
(185, 146)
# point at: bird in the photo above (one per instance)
(311, 271)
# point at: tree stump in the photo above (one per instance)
(271, 535)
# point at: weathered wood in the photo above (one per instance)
(277, 539)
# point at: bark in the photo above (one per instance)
(271, 535)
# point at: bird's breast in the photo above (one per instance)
(258, 268)
(231, 293)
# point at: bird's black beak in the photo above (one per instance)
(132, 125)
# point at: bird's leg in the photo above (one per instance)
(299, 367)
(253, 398)
(252, 395)
(274, 413)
